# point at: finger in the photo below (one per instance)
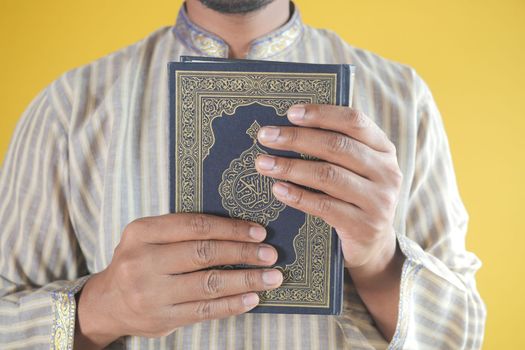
(329, 178)
(213, 284)
(179, 227)
(346, 120)
(190, 256)
(331, 146)
(333, 211)
(197, 311)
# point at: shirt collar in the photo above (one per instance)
(209, 44)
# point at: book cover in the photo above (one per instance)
(216, 108)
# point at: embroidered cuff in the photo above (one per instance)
(64, 314)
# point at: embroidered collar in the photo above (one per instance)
(209, 44)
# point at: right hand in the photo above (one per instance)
(155, 282)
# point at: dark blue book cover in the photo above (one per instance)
(216, 109)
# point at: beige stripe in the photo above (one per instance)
(214, 335)
(437, 298)
(56, 227)
(331, 332)
(442, 338)
(196, 335)
(151, 343)
(163, 341)
(145, 139)
(54, 102)
(314, 332)
(118, 168)
(265, 335)
(32, 186)
(103, 146)
(296, 331)
(179, 337)
(32, 305)
(162, 135)
(231, 333)
(248, 329)
(22, 327)
(437, 319)
(12, 198)
(281, 331)
(31, 341)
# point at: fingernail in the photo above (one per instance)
(257, 233)
(269, 133)
(272, 277)
(250, 299)
(296, 113)
(280, 189)
(266, 162)
(265, 253)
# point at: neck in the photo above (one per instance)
(239, 30)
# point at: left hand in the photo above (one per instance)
(358, 176)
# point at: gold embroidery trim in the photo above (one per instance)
(64, 316)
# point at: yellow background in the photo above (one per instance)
(472, 54)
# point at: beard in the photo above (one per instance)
(235, 6)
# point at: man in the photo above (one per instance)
(90, 258)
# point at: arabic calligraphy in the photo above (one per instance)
(245, 193)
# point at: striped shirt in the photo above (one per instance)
(90, 154)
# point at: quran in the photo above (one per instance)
(216, 108)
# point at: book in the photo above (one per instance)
(216, 108)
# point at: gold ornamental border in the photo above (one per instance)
(204, 96)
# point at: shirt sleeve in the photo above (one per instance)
(440, 307)
(41, 265)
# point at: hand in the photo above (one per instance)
(155, 282)
(358, 175)
(359, 179)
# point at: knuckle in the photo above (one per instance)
(200, 224)
(391, 147)
(397, 176)
(323, 206)
(321, 109)
(135, 228)
(212, 284)
(119, 250)
(251, 279)
(293, 135)
(246, 252)
(339, 143)
(203, 310)
(205, 253)
(392, 175)
(236, 228)
(231, 307)
(327, 174)
(387, 198)
(297, 197)
(386, 201)
(316, 111)
(373, 226)
(173, 320)
(285, 166)
(357, 119)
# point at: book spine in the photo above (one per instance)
(172, 135)
(338, 271)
